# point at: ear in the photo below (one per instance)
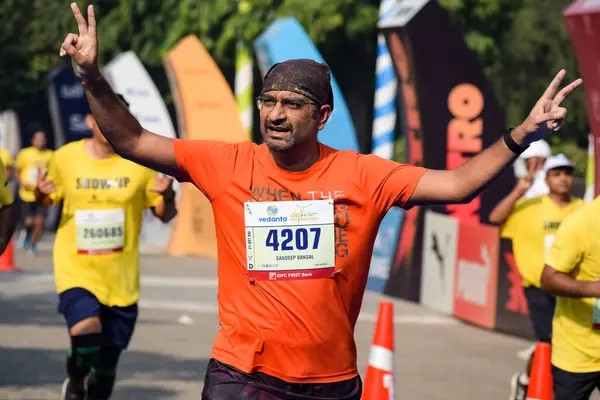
(89, 120)
(324, 115)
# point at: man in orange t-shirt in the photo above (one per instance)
(295, 222)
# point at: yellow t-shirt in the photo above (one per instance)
(6, 198)
(96, 246)
(6, 158)
(29, 162)
(532, 225)
(576, 251)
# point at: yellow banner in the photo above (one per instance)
(206, 110)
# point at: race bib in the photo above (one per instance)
(548, 239)
(100, 231)
(32, 176)
(290, 240)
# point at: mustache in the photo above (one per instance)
(269, 125)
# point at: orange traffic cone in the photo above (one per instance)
(379, 382)
(7, 259)
(540, 381)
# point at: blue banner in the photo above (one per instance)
(68, 106)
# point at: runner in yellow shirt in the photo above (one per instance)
(532, 224)
(572, 273)
(8, 214)
(7, 160)
(96, 256)
(31, 161)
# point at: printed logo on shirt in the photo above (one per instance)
(551, 225)
(342, 215)
(103, 184)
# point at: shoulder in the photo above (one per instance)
(24, 152)
(577, 202)
(528, 204)
(69, 148)
(580, 218)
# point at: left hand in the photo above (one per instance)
(163, 184)
(547, 116)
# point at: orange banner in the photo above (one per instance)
(206, 110)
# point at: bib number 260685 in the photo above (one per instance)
(100, 231)
(290, 240)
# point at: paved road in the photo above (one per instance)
(436, 357)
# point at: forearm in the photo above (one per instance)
(561, 284)
(9, 216)
(165, 210)
(473, 176)
(501, 212)
(116, 123)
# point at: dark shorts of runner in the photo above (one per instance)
(541, 310)
(32, 210)
(118, 323)
(574, 386)
(224, 382)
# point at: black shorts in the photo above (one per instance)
(541, 310)
(118, 323)
(573, 385)
(32, 210)
(224, 382)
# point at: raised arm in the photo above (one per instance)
(502, 210)
(468, 180)
(120, 128)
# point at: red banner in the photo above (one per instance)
(583, 22)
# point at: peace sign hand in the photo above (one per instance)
(83, 48)
(547, 116)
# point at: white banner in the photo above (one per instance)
(127, 76)
(10, 136)
(439, 257)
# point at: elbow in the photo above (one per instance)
(460, 191)
(495, 218)
(546, 279)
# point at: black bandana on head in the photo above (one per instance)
(306, 77)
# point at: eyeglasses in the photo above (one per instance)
(288, 103)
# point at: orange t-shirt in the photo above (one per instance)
(300, 331)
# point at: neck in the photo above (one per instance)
(98, 149)
(299, 158)
(560, 199)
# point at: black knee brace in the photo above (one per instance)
(83, 354)
(103, 374)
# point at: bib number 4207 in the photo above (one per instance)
(301, 237)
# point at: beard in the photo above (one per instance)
(279, 144)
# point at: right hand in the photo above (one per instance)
(45, 186)
(83, 48)
(523, 185)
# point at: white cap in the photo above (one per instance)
(537, 149)
(557, 161)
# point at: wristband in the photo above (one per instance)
(512, 145)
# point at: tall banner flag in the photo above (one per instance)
(384, 128)
(244, 78)
(206, 110)
(384, 121)
(68, 106)
(583, 22)
(10, 133)
(590, 171)
(450, 114)
(127, 76)
(285, 39)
